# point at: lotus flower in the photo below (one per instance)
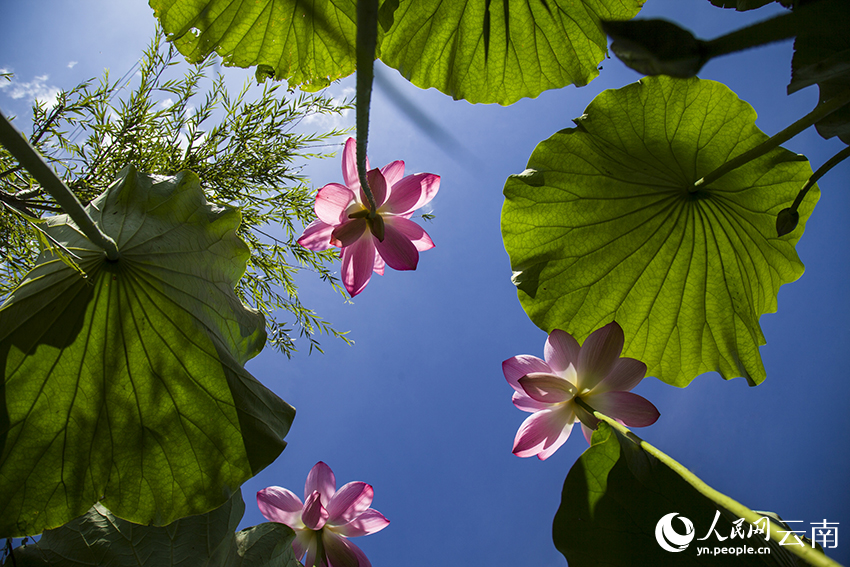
(593, 372)
(369, 241)
(325, 519)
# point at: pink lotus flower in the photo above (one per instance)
(593, 372)
(369, 241)
(325, 519)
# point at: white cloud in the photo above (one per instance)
(334, 121)
(38, 88)
(71, 64)
(324, 122)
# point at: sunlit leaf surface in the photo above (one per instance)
(480, 50)
(485, 51)
(602, 227)
(309, 44)
(100, 538)
(128, 386)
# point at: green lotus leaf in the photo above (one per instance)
(127, 386)
(100, 538)
(309, 44)
(500, 51)
(613, 502)
(608, 229)
(464, 48)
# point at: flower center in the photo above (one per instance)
(373, 220)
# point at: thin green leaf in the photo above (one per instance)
(46, 242)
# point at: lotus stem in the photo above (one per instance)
(808, 554)
(367, 39)
(820, 112)
(32, 161)
(821, 171)
(775, 29)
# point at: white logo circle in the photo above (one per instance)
(668, 538)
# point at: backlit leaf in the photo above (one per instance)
(309, 44)
(609, 230)
(485, 51)
(127, 387)
(481, 51)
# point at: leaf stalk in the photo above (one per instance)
(367, 40)
(321, 554)
(821, 171)
(30, 159)
(808, 554)
(820, 112)
(775, 29)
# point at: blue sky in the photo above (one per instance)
(419, 407)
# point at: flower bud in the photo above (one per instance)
(786, 221)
